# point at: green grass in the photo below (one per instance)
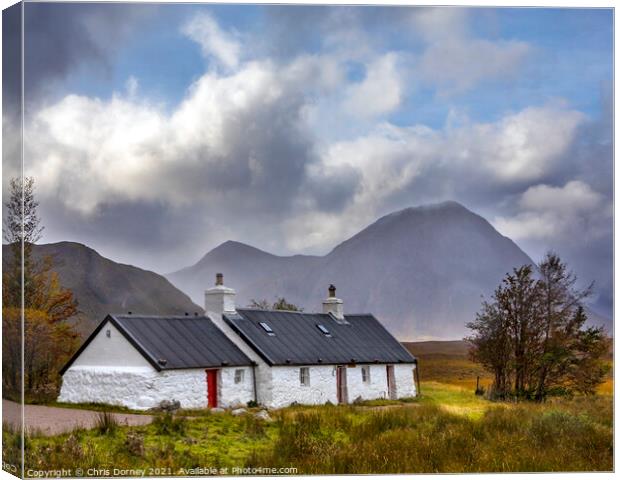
(220, 440)
(106, 423)
(454, 399)
(428, 438)
(98, 407)
(11, 447)
(446, 429)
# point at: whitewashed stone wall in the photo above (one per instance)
(405, 384)
(263, 371)
(142, 388)
(286, 387)
(231, 393)
(375, 388)
(134, 387)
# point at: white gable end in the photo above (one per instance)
(110, 350)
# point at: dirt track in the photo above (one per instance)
(54, 420)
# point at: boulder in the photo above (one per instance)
(217, 410)
(169, 406)
(239, 411)
(263, 415)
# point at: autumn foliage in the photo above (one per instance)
(532, 335)
(41, 323)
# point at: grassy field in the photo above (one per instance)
(446, 429)
(447, 362)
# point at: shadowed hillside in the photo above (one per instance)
(438, 348)
(102, 286)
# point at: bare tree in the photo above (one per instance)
(279, 304)
(22, 222)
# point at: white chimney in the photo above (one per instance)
(333, 305)
(220, 299)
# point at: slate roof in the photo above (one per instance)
(174, 342)
(296, 339)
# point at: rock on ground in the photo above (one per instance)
(263, 415)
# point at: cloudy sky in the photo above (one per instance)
(156, 132)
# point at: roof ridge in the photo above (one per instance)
(246, 309)
(175, 317)
(281, 310)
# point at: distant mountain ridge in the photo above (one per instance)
(103, 286)
(421, 270)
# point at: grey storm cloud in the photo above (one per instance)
(242, 157)
(131, 232)
(61, 37)
(331, 191)
(11, 60)
(267, 147)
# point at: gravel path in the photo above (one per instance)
(55, 420)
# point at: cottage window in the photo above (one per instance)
(366, 374)
(304, 376)
(239, 375)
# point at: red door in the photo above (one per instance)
(212, 388)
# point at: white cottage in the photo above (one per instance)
(233, 356)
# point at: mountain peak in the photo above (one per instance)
(430, 217)
(421, 270)
(231, 244)
(448, 205)
(237, 247)
(231, 249)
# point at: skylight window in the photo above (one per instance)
(268, 329)
(323, 329)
